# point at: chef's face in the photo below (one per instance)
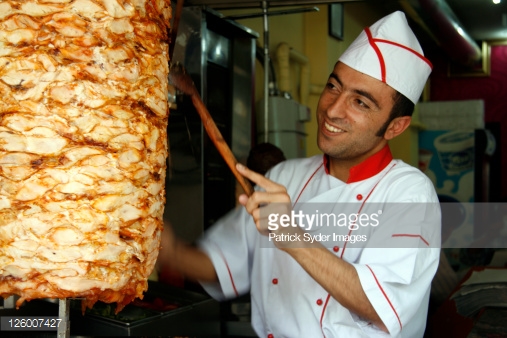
(352, 108)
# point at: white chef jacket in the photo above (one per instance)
(287, 302)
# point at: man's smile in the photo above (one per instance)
(332, 128)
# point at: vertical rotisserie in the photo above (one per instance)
(83, 146)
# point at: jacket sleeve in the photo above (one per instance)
(229, 244)
(401, 258)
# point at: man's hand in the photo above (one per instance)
(273, 194)
(185, 259)
(274, 200)
(168, 242)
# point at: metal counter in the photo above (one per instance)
(165, 311)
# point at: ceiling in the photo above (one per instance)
(482, 19)
(458, 27)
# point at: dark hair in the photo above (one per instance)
(402, 107)
(263, 157)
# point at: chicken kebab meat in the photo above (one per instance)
(83, 147)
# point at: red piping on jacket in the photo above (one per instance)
(362, 204)
(345, 245)
(387, 298)
(381, 157)
(308, 181)
(230, 274)
(324, 310)
(412, 235)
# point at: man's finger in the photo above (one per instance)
(263, 198)
(259, 179)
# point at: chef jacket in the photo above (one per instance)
(395, 265)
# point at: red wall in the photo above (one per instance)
(492, 89)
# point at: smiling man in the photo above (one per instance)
(351, 114)
(374, 285)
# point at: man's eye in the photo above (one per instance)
(362, 104)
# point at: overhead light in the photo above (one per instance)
(497, 1)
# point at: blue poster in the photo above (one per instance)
(447, 158)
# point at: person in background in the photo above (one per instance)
(332, 288)
(263, 157)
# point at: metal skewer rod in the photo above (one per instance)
(266, 70)
(282, 12)
(10, 302)
(63, 314)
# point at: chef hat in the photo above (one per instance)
(389, 51)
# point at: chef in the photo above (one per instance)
(367, 276)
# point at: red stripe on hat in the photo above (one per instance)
(405, 47)
(379, 54)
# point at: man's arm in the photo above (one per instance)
(191, 262)
(336, 276)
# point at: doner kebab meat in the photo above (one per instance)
(83, 147)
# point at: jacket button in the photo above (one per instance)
(275, 281)
(336, 248)
(319, 302)
(271, 335)
(359, 197)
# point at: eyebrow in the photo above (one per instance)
(357, 91)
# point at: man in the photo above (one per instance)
(335, 288)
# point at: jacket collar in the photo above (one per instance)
(369, 167)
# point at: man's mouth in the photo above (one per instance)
(333, 129)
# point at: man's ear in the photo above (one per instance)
(397, 126)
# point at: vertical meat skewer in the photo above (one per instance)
(83, 147)
(63, 313)
(184, 83)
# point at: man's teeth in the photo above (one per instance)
(332, 129)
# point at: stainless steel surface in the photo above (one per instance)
(219, 55)
(10, 302)
(194, 315)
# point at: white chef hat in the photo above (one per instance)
(389, 51)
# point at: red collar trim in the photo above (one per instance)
(369, 167)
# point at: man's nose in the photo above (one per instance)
(337, 108)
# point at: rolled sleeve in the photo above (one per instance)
(225, 288)
(399, 300)
(229, 245)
